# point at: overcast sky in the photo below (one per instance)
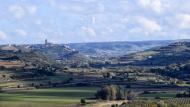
(63, 21)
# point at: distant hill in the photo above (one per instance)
(175, 53)
(49, 53)
(58, 52)
(12, 53)
(22, 65)
(62, 53)
(116, 48)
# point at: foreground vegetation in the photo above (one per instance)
(178, 102)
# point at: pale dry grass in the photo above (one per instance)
(11, 64)
(105, 103)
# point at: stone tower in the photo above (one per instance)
(46, 41)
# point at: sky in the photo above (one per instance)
(70, 21)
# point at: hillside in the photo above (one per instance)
(59, 52)
(175, 53)
(13, 54)
(13, 58)
(62, 54)
(116, 48)
(20, 67)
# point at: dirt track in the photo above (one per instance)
(105, 104)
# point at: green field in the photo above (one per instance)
(53, 97)
(163, 95)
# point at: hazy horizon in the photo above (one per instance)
(77, 21)
(43, 42)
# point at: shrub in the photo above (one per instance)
(146, 92)
(114, 105)
(131, 95)
(157, 97)
(161, 104)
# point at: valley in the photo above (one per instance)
(95, 53)
(57, 75)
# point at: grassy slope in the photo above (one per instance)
(46, 97)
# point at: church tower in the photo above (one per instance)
(46, 41)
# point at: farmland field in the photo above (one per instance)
(46, 97)
(164, 95)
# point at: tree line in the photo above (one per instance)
(114, 92)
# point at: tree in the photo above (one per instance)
(83, 101)
(1, 89)
(108, 75)
(161, 104)
(120, 94)
(131, 95)
(189, 92)
(112, 92)
(104, 93)
(128, 86)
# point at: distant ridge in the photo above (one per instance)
(174, 53)
(117, 48)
